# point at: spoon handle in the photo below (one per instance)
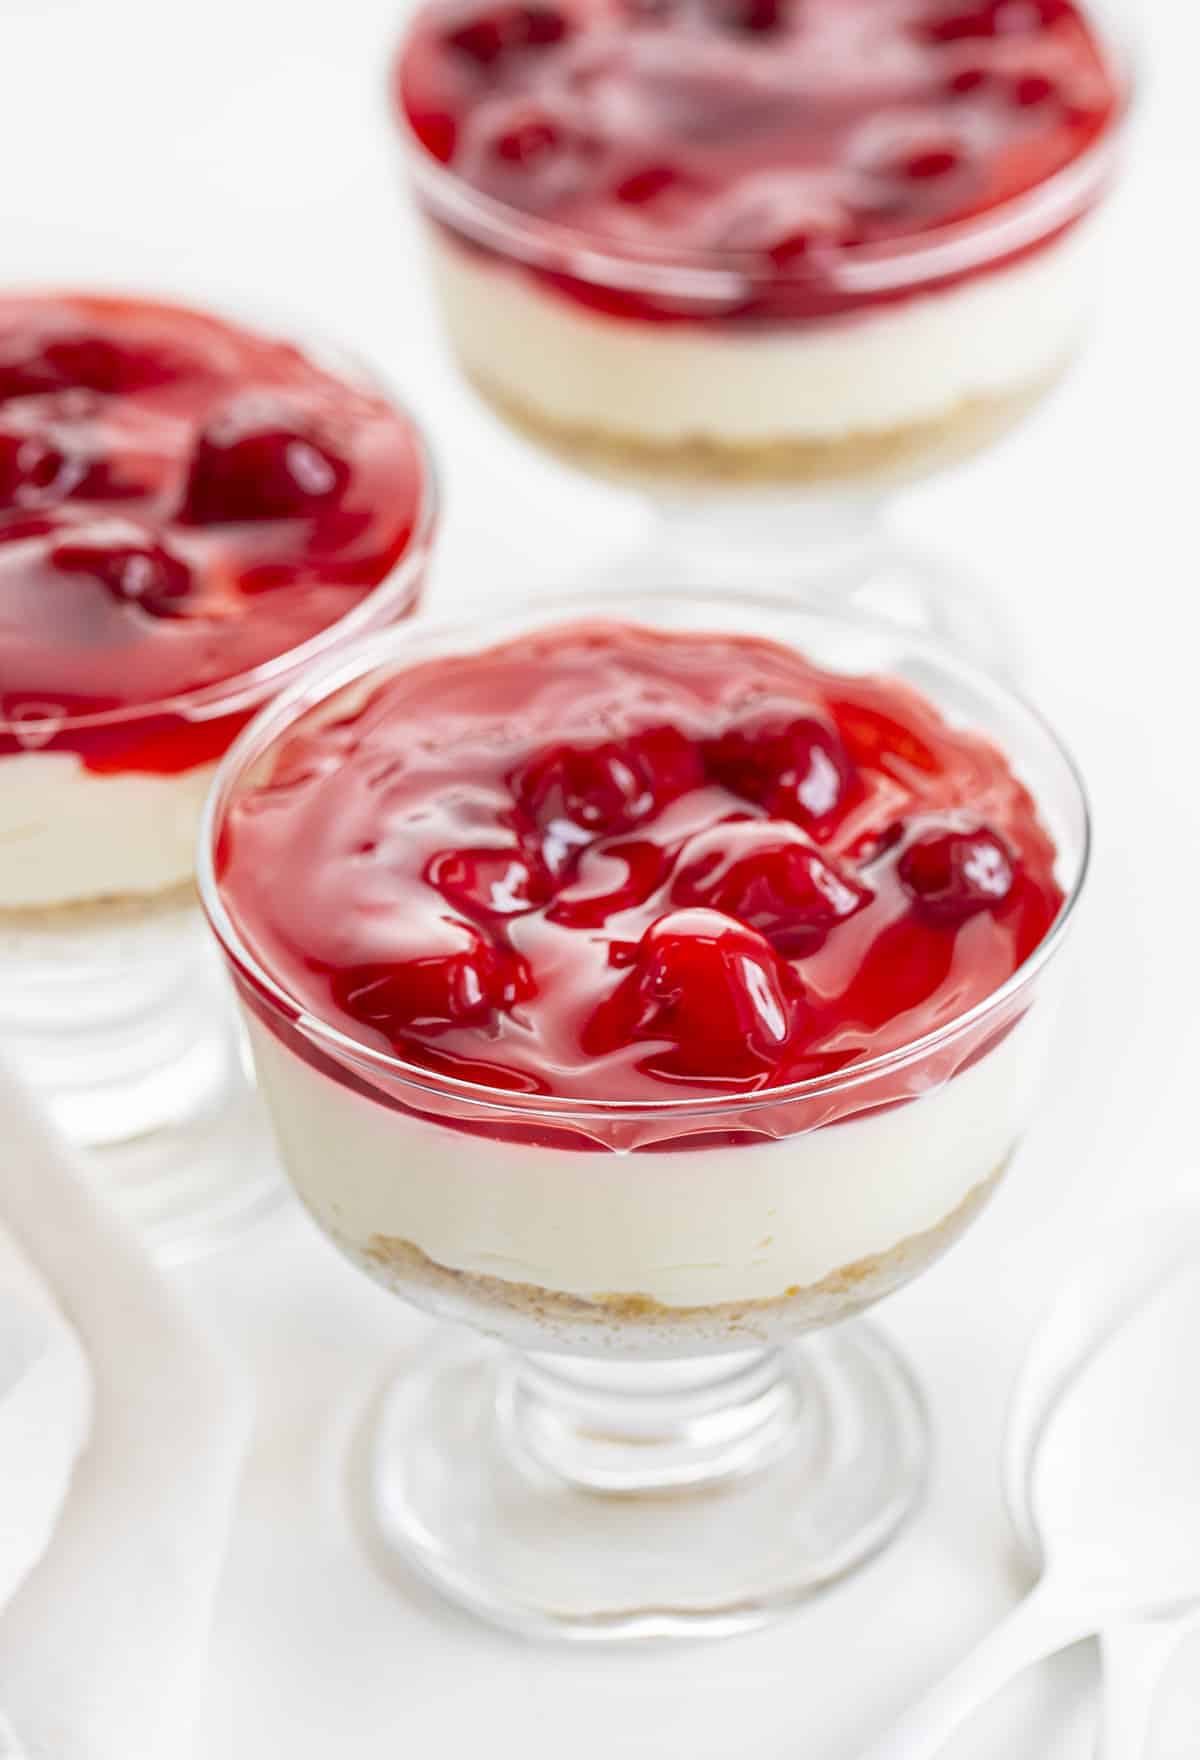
(1039, 1627)
(1136, 1656)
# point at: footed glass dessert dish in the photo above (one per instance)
(766, 260)
(190, 512)
(649, 996)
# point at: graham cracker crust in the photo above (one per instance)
(886, 456)
(87, 916)
(487, 1302)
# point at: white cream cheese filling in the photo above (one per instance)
(695, 1229)
(874, 372)
(69, 835)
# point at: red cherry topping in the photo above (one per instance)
(998, 18)
(1032, 89)
(609, 787)
(874, 844)
(670, 762)
(133, 568)
(789, 225)
(451, 977)
(542, 25)
(50, 450)
(506, 30)
(111, 411)
(955, 874)
(25, 372)
(714, 990)
(69, 359)
(768, 875)
(488, 882)
(795, 766)
(885, 742)
(795, 248)
(925, 163)
(953, 26)
(704, 121)
(751, 17)
(967, 80)
(100, 364)
(527, 152)
(31, 469)
(598, 789)
(528, 142)
(675, 940)
(639, 188)
(610, 878)
(481, 41)
(1015, 17)
(254, 462)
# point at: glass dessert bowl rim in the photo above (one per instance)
(724, 277)
(243, 690)
(391, 651)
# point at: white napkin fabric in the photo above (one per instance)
(45, 1412)
(102, 1644)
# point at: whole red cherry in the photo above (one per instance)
(131, 565)
(716, 996)
(452, 977)
(794, 765)
(611, 786)
(489, 36)
(49, 450)
(503, 882)
(31, 467)
(258, 459)
(768, 875)
(953, 874)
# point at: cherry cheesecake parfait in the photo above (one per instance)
(190, 512)
(768, 259)
(652, 994)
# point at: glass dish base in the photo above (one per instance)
(835, 554)
(119, 1018)
(567, 1498)
(192, 1188)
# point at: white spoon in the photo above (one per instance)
(1103, 1485)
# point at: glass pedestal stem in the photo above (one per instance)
(623, 1498)
(815, 545)
(632, 1428)
(122, 1023)
(835, 551)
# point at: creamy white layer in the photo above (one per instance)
(872, 373)
(686, 1230)
(69, 836)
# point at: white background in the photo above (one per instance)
(239, 148)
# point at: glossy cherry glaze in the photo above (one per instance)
(781, 136)
(181, 501)
(618, 865)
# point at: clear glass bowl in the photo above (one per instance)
(781, 442)
(675, 1425)
(112, 1005)
(723, 388)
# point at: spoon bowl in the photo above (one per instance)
(1121, 1274)
(1101, 1466)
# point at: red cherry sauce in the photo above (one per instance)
(181, 501)
(613, 864)
(778, 135)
